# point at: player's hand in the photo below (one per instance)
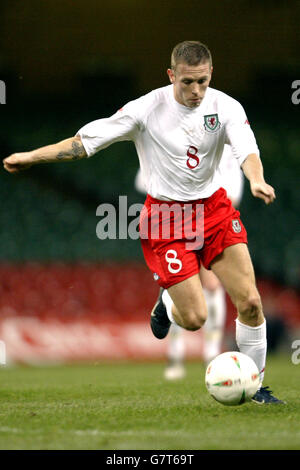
(17, 162)
(264, 191)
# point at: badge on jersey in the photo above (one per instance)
(236, 226)
(211, 122)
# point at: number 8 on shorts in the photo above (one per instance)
(174, 264)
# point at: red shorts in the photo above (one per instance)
(214, 222)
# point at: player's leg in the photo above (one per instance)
(182, 303)
(235, 270)
(216, 313)
(186, 303)
(185, 308)
(182, 306)
(175, 368)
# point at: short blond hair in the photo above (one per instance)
(190, 53)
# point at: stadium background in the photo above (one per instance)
(64, 293)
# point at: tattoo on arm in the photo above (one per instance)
(75, 153)
(60, 155)
(77, 150)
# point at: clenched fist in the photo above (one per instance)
(17, 162)
(264, 191)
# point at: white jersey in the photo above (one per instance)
(231, 176)
(229, 171)
(179, 148)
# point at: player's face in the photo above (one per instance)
(190, 82)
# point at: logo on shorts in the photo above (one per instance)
(211, 123)
(236, 226)
(155, 277)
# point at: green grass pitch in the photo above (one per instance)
(129, 405)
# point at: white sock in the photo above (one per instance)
(176, 349)
(252, 340)
(168, 302)
(214, 326)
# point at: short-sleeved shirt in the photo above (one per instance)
(179, 148)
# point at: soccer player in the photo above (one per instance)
(179, 132)
(232, 180)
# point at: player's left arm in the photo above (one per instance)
(253, 170)
(242, 139)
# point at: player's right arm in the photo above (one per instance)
(90, 139)
(65, 151)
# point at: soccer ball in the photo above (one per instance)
(232, 378)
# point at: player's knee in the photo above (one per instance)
(211, 284)
(250, 310)
(194, 320)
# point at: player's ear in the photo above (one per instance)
(171, 75)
